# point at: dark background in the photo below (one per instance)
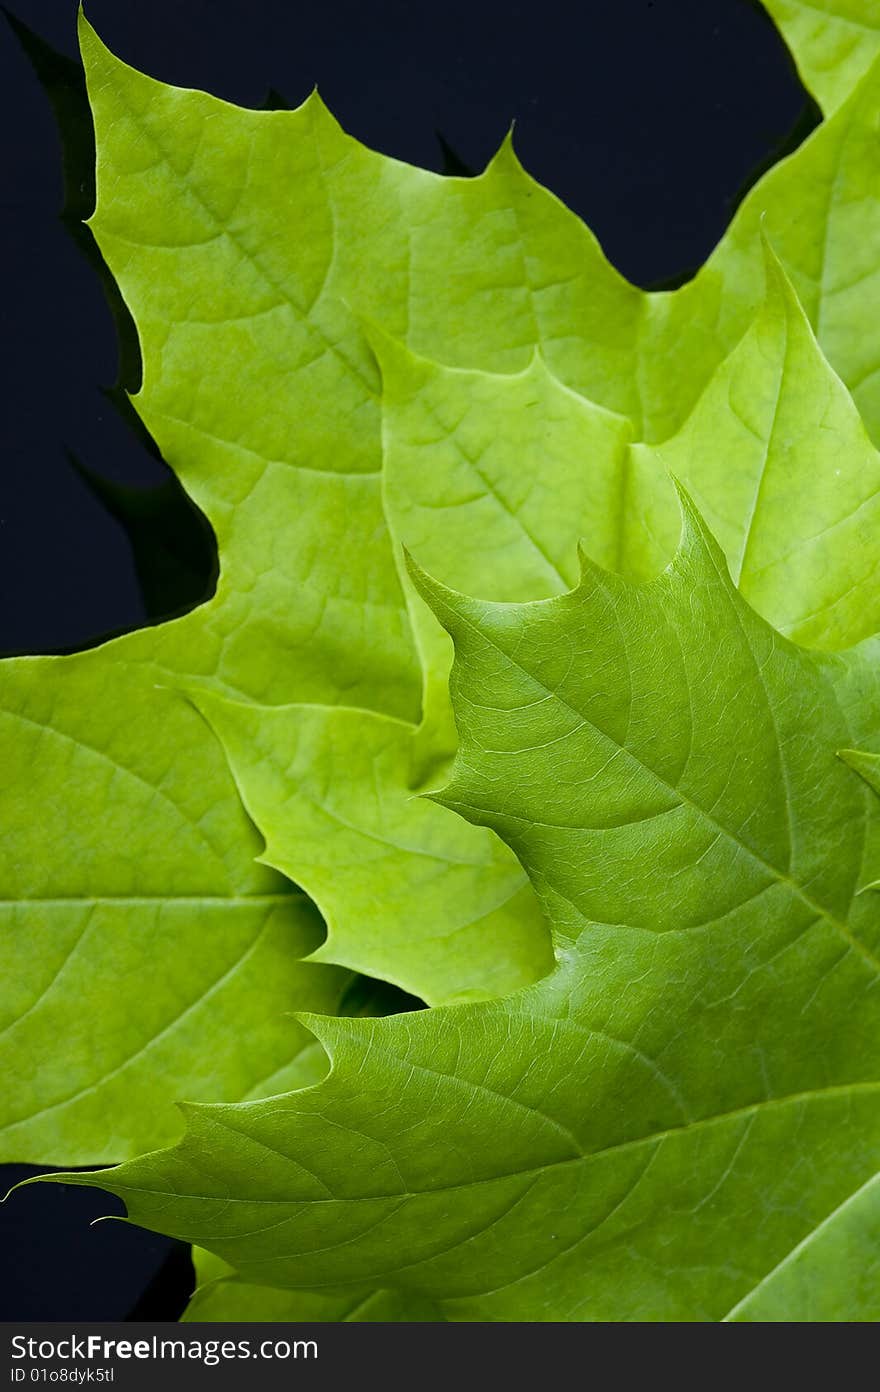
(648, 117)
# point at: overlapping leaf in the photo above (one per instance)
(694, 1091)
(407, 888)
(831, 1276)
(149, 954)
(187, 207)
(490, 481)
(262, 389)
(471, 272)
(519, 469)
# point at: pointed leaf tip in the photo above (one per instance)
(772, 262)
(588, 568)
(330, 1031)
(391, 354)
(316, 105)
(440, 599)
(505, 158)
(693, 528)
(420, 578)
(778, 288)
(865, 764)
(86, 32)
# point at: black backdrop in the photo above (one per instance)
(648, 117)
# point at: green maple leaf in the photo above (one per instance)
(257, 397)
(471, 272)
(692, 1097)
(480, 486)
(492, 481)
(282, 423)
(187, 224)
(281, 417)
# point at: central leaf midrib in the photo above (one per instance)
(525, 1172)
